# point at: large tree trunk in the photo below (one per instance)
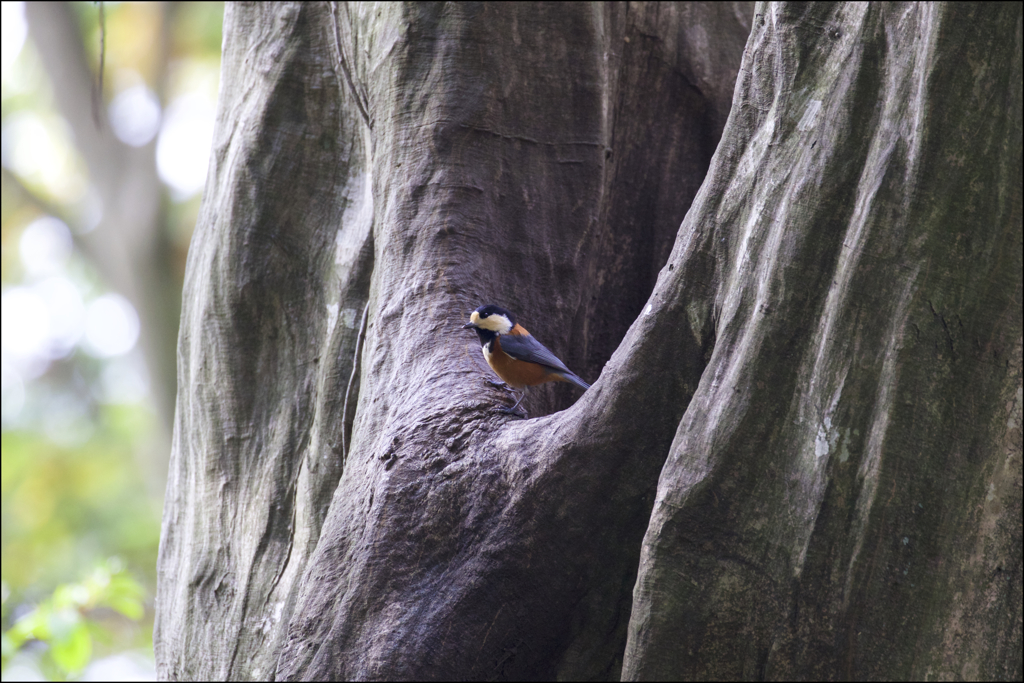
(826, 376)
(843, 496)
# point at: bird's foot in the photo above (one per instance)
(512, 411)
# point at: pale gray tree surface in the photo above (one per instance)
(801, 456)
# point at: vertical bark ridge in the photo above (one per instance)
(800, 517)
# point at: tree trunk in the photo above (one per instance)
(843, 496)
(830, 358)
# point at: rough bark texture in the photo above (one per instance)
(843, 496)
(270, 317)
(842, 304)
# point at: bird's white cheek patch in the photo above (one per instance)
(494, 323)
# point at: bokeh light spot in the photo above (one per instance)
(183, 150)
(39, 149)
(45, 246)
(24, 322)
(13, 37)
(111, 326)
(66, 312)
(135, 115)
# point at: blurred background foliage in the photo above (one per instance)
(100, 193)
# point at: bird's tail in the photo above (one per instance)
(570, 377)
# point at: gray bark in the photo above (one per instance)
(344, 501)
(842, 499)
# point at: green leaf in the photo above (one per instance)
(72, 652)
(123, 585)
(35, 624)
(127, 605)
(71, 595)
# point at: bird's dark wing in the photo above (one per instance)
(525, 347)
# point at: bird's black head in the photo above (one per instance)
(491, 319)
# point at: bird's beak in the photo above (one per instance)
(468, 326)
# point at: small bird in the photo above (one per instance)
(514, 354)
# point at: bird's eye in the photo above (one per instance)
(484, 315)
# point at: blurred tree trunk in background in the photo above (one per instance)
(129, 245)
(810, 404)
